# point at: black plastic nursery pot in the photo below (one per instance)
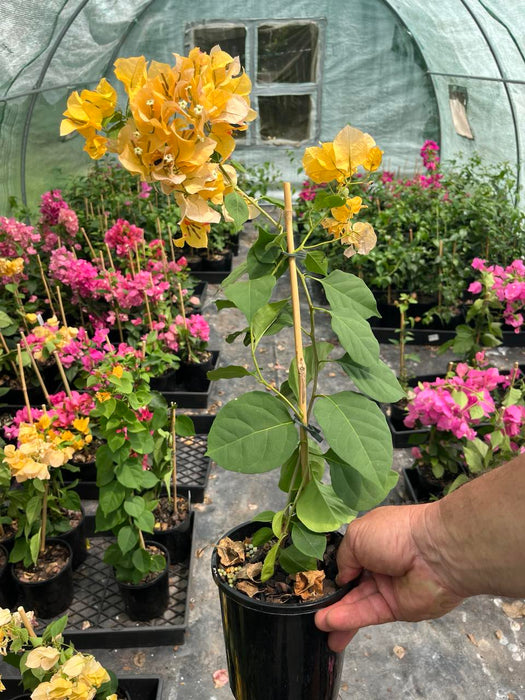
(8, 588)
(77, 540)
(144, 601)
(176, 540)
(221, 262)
(275, 651)
(53, 596)
(174, 391)
(192, 376)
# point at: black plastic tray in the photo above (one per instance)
(138, 687)
(401, 436)
(211, 276)
(192, 399)
(193, 467)
(97, 601)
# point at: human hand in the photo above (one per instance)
(403, 577)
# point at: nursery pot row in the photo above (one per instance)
(274, 651)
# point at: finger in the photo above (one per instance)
(337, 641)
(369, 610)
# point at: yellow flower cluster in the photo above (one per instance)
(179, 130)
(11, 267)
(53, 332)
(339, 160)
(77, 679)
(41, 446)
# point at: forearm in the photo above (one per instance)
(475, 536)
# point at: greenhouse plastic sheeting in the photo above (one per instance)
(396, 68)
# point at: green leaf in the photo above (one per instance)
(356, 337)
(344, 290)
(323, 351)
(142, 441)
(263, 535)
(250, 295)
(327, 200)
(263, 254)
(376, 381)
(253, 433)
(357, 431)
(321, 509)
(293, 560)
(266, 320)
(266, 516)
(317, 262)
(127, 539)
(184, 426)
(146, 521)
(5, 320)
(357, 491)
(459, 397)
(234, 275)
(458, 481)
(111, 497)
(311, 544)
(224, 304)
(135, 506)
(289, 471)
(34, 546)
(34, 509)
(106, 408)
(229, 372)
(141, 560)
(55, 628)
(116, 441)
(475, 452)
(269, 563)
(512, 397)
(237, 209)
(128, 474)
(277, 523)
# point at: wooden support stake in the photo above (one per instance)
(61, 306)
(63, 374)
(23, 382)
(46, 286)
(174, 456)
(35, 369)
(91, 249)
(26, 621)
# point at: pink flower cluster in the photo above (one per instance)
(129, 290)
(57, 220)
(429, 153)
(64, 410)
(17, 239)
(90, 352)
(505, 285)
(459, 404)
(195, 331)
(123, 237)
(80, 275)
(310, 189)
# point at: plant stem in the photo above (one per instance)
(44, 518)
(256, 204)
(174, 456)
(142, 544)
(298, 340)
(23, 383)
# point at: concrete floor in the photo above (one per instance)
(473, 653)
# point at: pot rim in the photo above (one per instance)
(36, 584)
(272, 608)
(131, 586)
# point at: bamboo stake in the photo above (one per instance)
(148, 311)
(91, 249)
(61, 306)
(46, 286)
(297, 328)
(174, 456)
(172, 249)
(440, 289)
(62, 374)
(23, 382)
(35, 369)
(26, 621)
(44, 518)
(110, 258)
(181, 303)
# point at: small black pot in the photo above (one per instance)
(195, 263)
(8, 588)
(76, 539)
(275, 651)
(177, 540)
(144, 601)
(49, 598)
(192, 375)
(218, 263)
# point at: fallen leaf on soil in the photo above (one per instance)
(472, 639)
(498, 634)
(252, 506)
(344, 686)
(250, 572)
(220, 678)
(199, 552)
(230, 552)
(246, 587)
(514, 609)
(331, 374)
(139, 659)
(399, 651)
(86, 625)
(309, 584)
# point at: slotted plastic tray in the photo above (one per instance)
(96, 617)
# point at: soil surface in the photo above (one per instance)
(9, 531)
(242, 564)
(51, 562)
(167, 517)
(87, 454)
(152, 549)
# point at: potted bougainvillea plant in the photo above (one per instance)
(178, 132)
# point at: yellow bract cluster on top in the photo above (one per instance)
(11, 267)
(178, 128)
(339, 160)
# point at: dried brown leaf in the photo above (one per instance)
(309, 584)
(230, 553)
(399, 651)
(514, 609)
(498, 634)
(250, 571)
(86, 625)
(139, 659)
(472, 639)
(246, 587)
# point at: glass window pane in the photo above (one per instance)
(287, 53)
(285, 117)
(230, 37)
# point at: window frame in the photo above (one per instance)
(314, 89)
